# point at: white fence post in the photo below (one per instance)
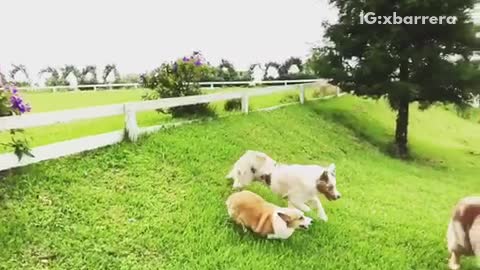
(54, 89)
(211, 86)
(476, 101)
(286, 83)
(95, 88)
(131, 126)
(245, 103)
(338, 91)
(302, 93)
(110, 86)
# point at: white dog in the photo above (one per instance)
(299, 183)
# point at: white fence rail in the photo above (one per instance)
(211, 85)
(132, 130)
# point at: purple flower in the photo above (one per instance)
(185, 59)
(26, 107)
(198, 63)
(18, 104)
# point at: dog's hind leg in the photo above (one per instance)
(320, 211)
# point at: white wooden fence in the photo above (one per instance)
(211, 85)
(129, 110)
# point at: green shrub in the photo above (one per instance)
(233, 105)
(324, 90)
(179, 79)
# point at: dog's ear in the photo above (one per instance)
(323, 177)
(331, 168)
(285, 217)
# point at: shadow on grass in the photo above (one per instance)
(358, 120)
(373, 123)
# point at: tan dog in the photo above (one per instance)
(463, 233)
(252, 211)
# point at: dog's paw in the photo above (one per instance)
(454, 266)
(323, 217)
(237, 186)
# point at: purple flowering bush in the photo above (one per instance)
(12, 103)
(179, 79)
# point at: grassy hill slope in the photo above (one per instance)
(159, 204)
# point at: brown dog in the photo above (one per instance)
(463, 233)
(252, 211)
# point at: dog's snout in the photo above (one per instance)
(338, 196)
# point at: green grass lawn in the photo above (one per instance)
(159, 203)
(47, 101)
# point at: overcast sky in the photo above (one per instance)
(138, 35)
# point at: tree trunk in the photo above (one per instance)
(401, 131)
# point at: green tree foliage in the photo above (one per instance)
(226, 71)
(92, 70)
(269, 65)
(54, 78)
(285, 67)
(109, 69)
(251, 70)
(3, 79)
(22, 69)
(67, 70)
(402, 62)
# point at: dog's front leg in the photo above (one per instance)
(321, 212)
(298, 205)
(236, 184)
